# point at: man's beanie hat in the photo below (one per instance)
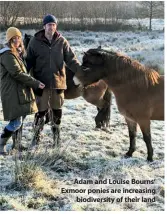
(48, 19)
(11, 32)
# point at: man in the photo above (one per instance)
(47, 54)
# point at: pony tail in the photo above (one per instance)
(154, 76)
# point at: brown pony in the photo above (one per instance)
(139, 91)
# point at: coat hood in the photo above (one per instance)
(3, 50)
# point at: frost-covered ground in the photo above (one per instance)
(157, 24)
(95, 154)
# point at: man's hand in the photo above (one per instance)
(86, 69)
(41, 85)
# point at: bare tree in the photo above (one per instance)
(10, 12)
(151, 9)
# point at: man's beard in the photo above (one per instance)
(50, 33)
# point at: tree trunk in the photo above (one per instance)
(151, 10)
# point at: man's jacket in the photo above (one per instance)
(48, 60)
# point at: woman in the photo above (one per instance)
(17, 96)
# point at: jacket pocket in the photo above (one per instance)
(25, 94)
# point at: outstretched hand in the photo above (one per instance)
(86, 69)
(41, 85)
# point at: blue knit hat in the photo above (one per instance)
(49, 18)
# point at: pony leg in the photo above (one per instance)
(97, 119)
(132, 127)
(102, 118)
(106, 110)
(145, 128)
(103, 104)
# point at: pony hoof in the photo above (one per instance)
(127, 156)
(150, 159)
(98, 126)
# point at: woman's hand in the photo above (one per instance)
(41, 85)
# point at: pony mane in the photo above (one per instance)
(132, 71)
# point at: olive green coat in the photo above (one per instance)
(16, 93)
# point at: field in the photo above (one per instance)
(88, 153)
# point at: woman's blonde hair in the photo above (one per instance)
(14, 50)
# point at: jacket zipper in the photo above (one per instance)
(50, 55)
(50, 52)
(50, 58)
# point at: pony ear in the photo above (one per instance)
(86, 54)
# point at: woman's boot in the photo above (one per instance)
(3, 140)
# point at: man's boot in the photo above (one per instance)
(57, 114)
(3, 140)
(38, 127)
(17, 136)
